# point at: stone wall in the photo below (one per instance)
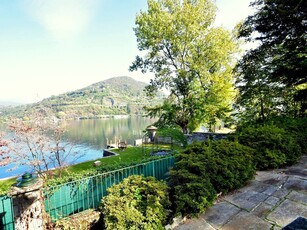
(28, 207)
(199, 136)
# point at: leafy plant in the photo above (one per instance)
(204, 169)
(136, 203)
(176, 135)
(274, 147)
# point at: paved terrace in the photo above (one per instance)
(271, 201)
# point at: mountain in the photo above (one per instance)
(114, 96)
(8, 103)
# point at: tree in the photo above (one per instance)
(189, 57)
(260, 97)
(38, 143)
(280, 60)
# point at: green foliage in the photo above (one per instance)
(189, 57)
(271, 72)
(294, 127)
(136, 203)
(5, 185)
(203, 169)
(263, 97)
(274, 147)
(177, 135)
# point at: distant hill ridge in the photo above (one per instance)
(114, 96)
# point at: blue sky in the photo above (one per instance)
(48, 47)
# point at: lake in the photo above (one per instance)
(89, 137)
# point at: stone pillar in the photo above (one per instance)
(28, 206)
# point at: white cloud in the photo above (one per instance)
(63, 19)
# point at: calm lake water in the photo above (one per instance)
(89, 137)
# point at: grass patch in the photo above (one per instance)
(127, 156)
(5, 185)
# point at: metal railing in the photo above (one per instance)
(73, 197)
(6, 213)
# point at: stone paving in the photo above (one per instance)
(271, 201)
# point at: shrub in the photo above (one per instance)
(176, 135)
(203, 169)
(295, 127)
(136, 203)
(229, 164)
(274, 147)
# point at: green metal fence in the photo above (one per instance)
(73, 197)
(6, 213)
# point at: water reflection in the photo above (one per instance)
(89, 137)
(94, 133)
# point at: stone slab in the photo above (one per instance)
(195, 224)
(286, 212)
(246, 221)
(246, 200)
(281, 193)
(272, 200)
(296, 171)
(220, 213)
(262, 210)
(296, 183)
(260, 187)
(299, 197)
(271, 177)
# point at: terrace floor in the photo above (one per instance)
(272, 200)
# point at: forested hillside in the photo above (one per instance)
(114, 96)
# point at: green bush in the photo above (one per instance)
(176, 135)
(274, 147)
(204, 169)
(136, 203)
(295, 127)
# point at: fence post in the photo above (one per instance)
(28, 206)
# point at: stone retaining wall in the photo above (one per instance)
(199, 136)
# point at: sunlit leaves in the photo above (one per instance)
(189, 57)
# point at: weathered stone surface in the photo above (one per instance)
(298, 197)
(272, 200)
(297, 171)
(247, 200)
(286, 212)
(271, 177)
(260, 187)
(296, 183)
(195, 224)
(262, 210)
(246, 221)
(220, 213)
(281, 193)
(28, 207)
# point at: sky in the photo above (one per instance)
(48, 47)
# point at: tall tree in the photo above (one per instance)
(259, 97)
(190, 57)
(280, 60)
